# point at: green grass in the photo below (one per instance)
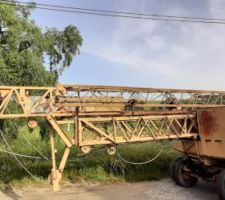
(97, 166)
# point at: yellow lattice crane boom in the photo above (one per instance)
(111, 115)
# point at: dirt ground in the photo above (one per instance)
(157, 190)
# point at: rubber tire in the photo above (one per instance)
(182, 179)
(172, 166)
(220, 185)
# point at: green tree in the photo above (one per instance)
(24, 48)
(25, 51)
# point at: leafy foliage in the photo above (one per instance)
(24, 48)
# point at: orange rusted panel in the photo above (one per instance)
(208, 121)
(211, 123)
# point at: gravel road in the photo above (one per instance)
(155, 190)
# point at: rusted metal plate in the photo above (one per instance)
(211, 124)
(212, 121)
(208, 121)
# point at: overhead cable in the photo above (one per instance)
(117, 14)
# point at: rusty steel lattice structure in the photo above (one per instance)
(110, 115)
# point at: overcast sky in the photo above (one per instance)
(143, 52)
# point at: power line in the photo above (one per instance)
(117, 14)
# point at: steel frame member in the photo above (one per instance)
(89, 132)
(108, 115)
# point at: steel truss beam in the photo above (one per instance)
(70, 96)
(116, 130)
(108, 115)
(63, 100)
(112, 131)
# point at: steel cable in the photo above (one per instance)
(140, 163)
(21, 155)
(35, 148)
(17, 159)
(148, 161)
(29, 142)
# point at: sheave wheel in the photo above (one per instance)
(181, 176)
(220, 185)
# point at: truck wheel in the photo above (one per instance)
(220, 185)
(172, 168)
(181, 176)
